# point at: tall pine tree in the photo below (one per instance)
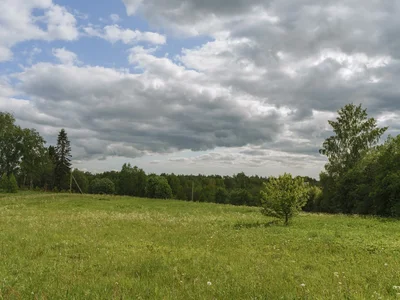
(62, 160)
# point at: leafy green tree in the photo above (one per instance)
(63, 160)
(34, 156)
(48, 167)
(13, 185)
(240, 197)
(132, 181)
(4, 182)
(283, 197)
(207, 193)
(158, 187)
(175, 185)
(82, 181)
(314, 199)
(102, 186)
(354, 134)
(11, 144)
(373, 185)
(221, 195)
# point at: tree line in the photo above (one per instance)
(361, 176)
(25, 157)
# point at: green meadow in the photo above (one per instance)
(62, 246)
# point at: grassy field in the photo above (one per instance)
(102, 247)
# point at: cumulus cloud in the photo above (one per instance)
(180, 110)
(66, 57)
(114, 33)
(305, 55)
(22, 21)
(257, 93)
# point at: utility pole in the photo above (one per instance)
(192, 189)
(70, 182)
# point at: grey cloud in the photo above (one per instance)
(123, 115)
(301, 31)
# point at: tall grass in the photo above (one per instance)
(60, 246)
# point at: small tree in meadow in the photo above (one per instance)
(13, 185)
(283, 197)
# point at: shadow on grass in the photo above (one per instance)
(241, 225)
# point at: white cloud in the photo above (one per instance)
(61, 24)
(5, 54)
(66, 57)
(19, 22)
(114, 33)
(132, 6)
(115, 18)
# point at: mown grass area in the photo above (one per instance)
(102, 247)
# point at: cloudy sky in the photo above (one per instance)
(188, 86)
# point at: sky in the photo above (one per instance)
(190, 87)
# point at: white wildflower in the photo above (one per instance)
(303, 285)
(209, 283)
(336, 274)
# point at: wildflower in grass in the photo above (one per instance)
(386, 264)
(336, 274)
(303, 285)
(209, 283)
(396, 287)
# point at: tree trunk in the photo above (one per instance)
(286, 219)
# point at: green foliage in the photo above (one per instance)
(34, 157)
(284, 197)
(354, 134)
(13, 185)
(11, 144)
(132, 181)
(82, 181)
(240, 196)
(221, 196)
(62, 160)
(158, 187)
(8, 184)
(4, 182)
(372, 186)
(102, 186)
(314, 199)
(175, 185)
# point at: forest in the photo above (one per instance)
(362, 174)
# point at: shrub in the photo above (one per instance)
(4, 183)
(221, 195)
(13, 185)
(241, 197)
(283, 197)
(102, 186)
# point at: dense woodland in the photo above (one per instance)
(362, 176)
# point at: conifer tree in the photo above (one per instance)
(62, 160)
(12, 184)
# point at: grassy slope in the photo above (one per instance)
(80, 247)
